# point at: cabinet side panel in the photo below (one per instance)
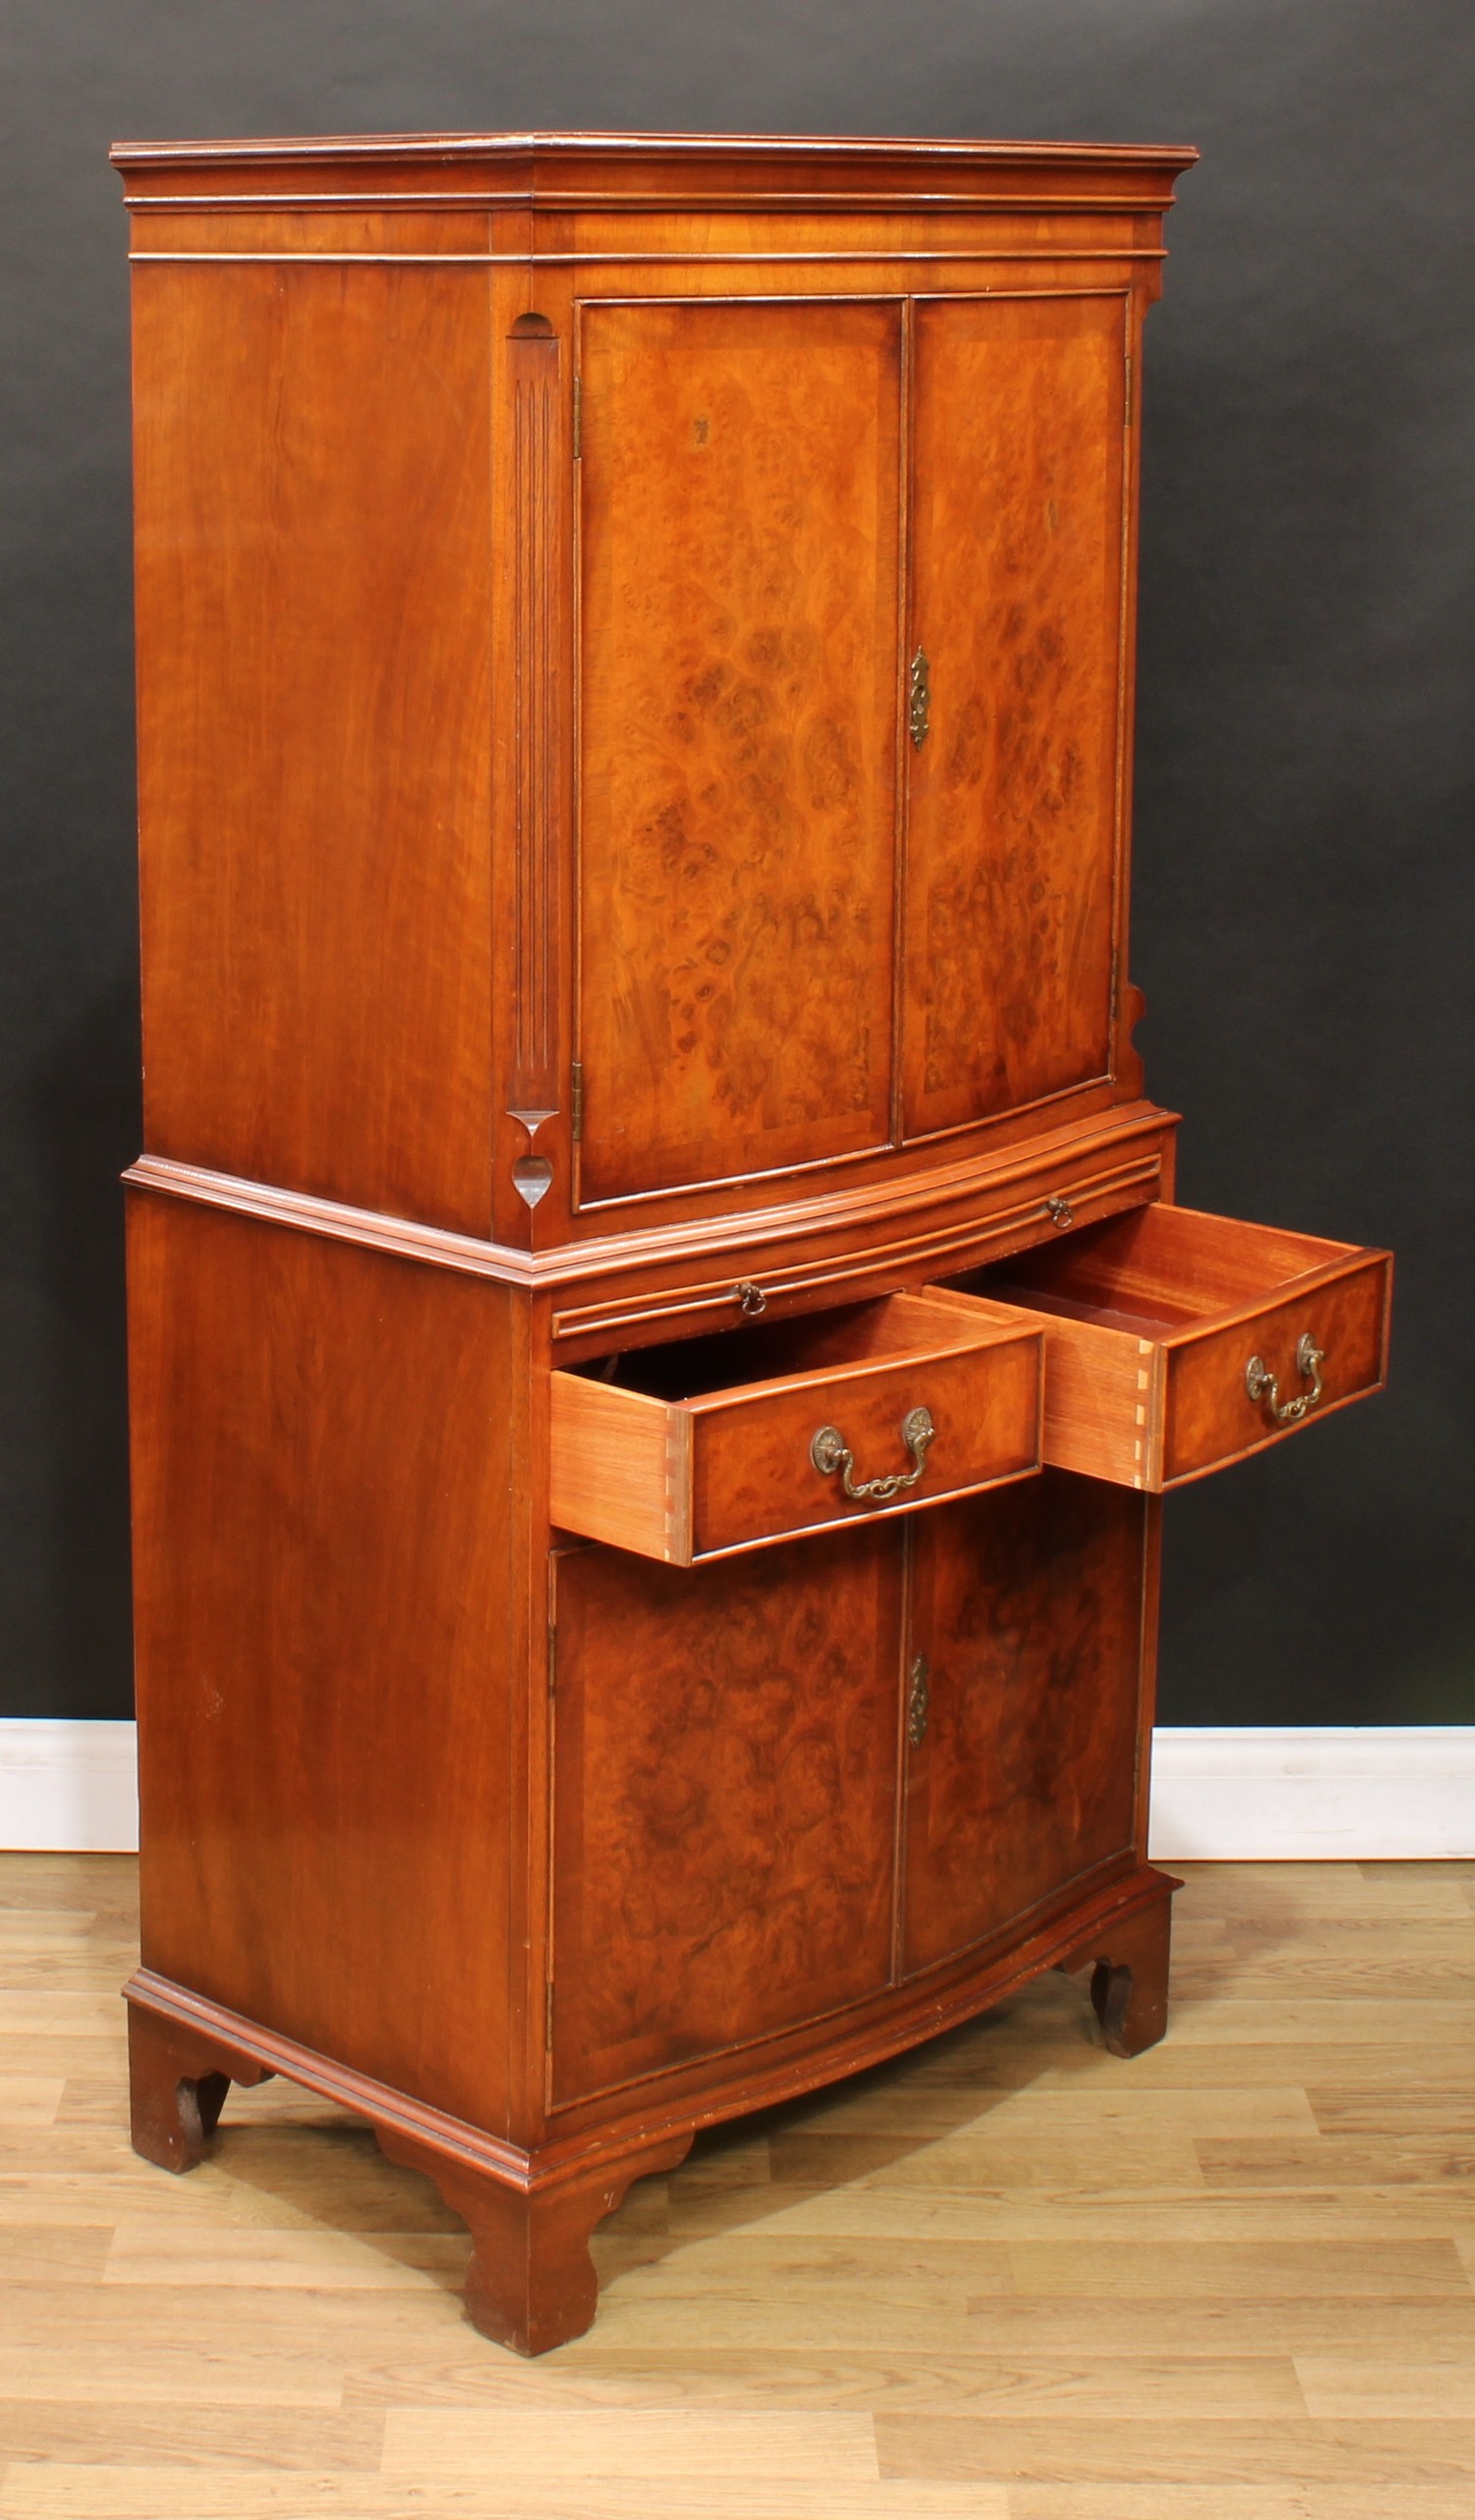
(739, 569)
(1018, 561)
(1029, 1607)
(724, 1799)
(313, 506)
(325, 1551)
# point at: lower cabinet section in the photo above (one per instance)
(740, 1752)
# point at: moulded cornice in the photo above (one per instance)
(624, 170)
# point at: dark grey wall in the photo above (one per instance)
(1302, 903)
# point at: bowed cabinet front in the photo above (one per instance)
(853, 576)
(911, 1738)
(658, 1319)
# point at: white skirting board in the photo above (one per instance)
(68, 1788)
(1268, 1793)
(1252, 1793)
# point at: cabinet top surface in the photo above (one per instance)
(590, 164)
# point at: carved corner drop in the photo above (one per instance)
(534, 363)
(1130, 1071)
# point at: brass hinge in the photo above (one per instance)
(578, 1101)
(578, 418)
(1117, 975)
(548, 2021)
(1127, 406)
(552, 1656)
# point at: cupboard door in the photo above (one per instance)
(740, 499)
(1017, 604)
(725, 1776)
(1022, 1756)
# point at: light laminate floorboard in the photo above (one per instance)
(1009, 2277)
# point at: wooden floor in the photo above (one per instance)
(1009, 2276)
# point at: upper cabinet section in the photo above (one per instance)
(634, 663)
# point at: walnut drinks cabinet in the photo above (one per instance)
(659, 1323)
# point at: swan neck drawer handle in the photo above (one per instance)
(830, 1452)
(1261, 1385)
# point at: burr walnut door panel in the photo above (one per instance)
(739, 500)
(1016, 596)
(1024, 1669)
(725, 1780)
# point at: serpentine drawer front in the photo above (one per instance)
(1176, 1342)
(709, 1446)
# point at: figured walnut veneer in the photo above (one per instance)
(635, 653)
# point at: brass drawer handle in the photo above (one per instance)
(750, 1299)
(830, 1452)
(1263, 1385)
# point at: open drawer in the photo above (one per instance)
(1176, 1342)
(713, 1444)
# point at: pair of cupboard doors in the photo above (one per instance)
(786, 1781)
(853, 656)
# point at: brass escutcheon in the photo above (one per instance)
(918, 698)
(918, 1700)
(1261, 1385)
(829, 1453)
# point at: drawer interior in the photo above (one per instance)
(1176, 1342)
(1158, 1270)
(807, 1343)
